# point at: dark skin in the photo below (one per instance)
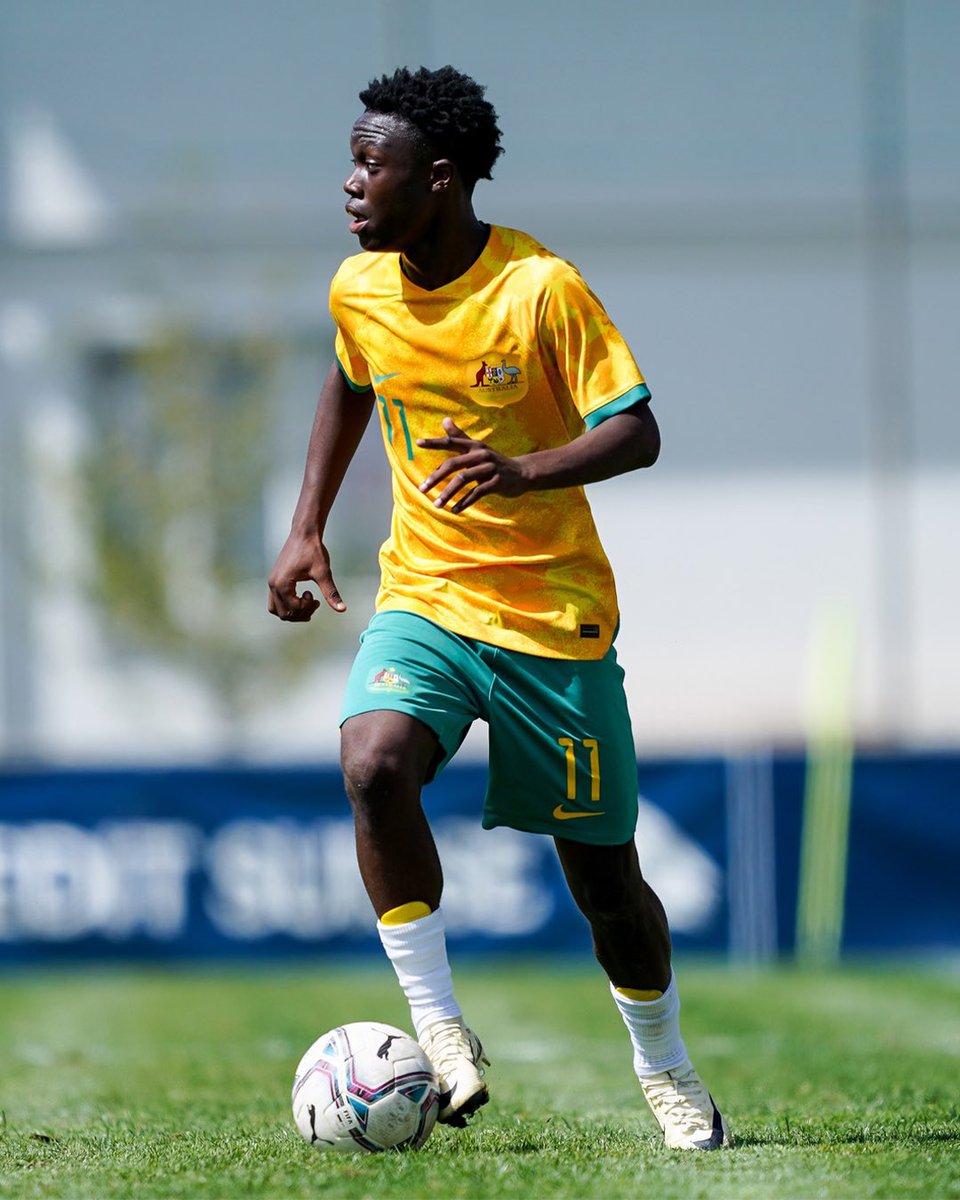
(402, 199)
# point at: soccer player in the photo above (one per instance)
(502, 388)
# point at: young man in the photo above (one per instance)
(502, 388)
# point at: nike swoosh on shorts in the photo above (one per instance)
(563, 814)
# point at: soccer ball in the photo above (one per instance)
(365, 1087)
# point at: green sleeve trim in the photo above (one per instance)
(639, 394)
(354, 387)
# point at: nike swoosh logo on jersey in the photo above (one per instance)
(381, 378)
(564, 814)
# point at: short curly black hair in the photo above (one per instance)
(448, 108)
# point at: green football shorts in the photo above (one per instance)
(562, 759)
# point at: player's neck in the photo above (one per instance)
(451, 248)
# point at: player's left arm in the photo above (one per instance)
(623, 442)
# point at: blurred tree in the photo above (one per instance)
(174, 479)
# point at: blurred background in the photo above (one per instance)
(765, 195)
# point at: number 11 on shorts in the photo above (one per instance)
(570, 753)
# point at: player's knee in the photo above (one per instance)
(374, 773)
(370, 772)
(385, 757)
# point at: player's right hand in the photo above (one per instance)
(302, 559)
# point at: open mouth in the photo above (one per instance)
(357, 222)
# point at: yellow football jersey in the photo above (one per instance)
(520, 353)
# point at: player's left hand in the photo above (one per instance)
(472, 462)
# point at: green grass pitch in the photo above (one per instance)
(152, 1083)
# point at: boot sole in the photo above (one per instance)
(457, 1117)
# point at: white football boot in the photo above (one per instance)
(685, 1110)
(456, 1054)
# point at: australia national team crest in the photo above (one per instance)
(501, 377)
(387, 679)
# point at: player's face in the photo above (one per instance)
(392, 199)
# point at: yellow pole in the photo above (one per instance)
(827, 789)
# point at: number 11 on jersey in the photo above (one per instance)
(388, 424)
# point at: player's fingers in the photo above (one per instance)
(449, 466)
(288, 606)
(472, 496)
(463, 444)
(333, 598)
(472, 465)
(303, 607)
(461, 480)
(280, 600)
(455, 439)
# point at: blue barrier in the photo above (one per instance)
(196, 863)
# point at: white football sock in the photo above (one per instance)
(418, 951)
(654, 1028)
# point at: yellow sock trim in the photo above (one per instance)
(636, 993)
(406, 913)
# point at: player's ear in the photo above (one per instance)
(442, 174)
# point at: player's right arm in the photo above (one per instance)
(341, 417)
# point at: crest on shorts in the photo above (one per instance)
(387, 679)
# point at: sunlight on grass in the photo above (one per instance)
(154, 1084)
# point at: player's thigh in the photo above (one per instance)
(562, 757)
(412, 668)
